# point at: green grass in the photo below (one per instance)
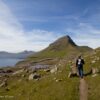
(94, 87)
(47, 88)
(44, 89)
(93, 82)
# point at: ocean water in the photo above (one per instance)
(9, 61)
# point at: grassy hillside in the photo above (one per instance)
(53, 86)
(93, 82)
(64, 47)
(47, 88)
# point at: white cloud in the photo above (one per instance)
(14, 39)
(85, 34)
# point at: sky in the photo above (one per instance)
(34, 24)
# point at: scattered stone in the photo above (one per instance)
(54, 70)
(95, 70)
(31, 77)
(39, 66)
(37, 79)
(55, 78)
(26, 70)
(9, 71)
(58, 80)
(46, 70)
(59, 64)
(6, 76)
(18, 72)
(69, 75)
(4, 84)
(73, 72)
(34, 76)
(94, 75)
(2, 71)
(93, 61)
(23, 75)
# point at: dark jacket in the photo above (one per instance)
(80, 62)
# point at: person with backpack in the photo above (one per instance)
(79, 64)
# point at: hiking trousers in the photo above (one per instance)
(80, 70)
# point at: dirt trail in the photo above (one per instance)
(83, 89)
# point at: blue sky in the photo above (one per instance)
(34, 24)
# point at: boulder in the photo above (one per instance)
(34, 76)
(3, 84)
(54, 70)
(73, 72)
(93, 61)
(95, 70)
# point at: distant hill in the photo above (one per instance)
(20, 55)
(66, 43)
(63, 47)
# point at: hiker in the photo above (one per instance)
(79, 65)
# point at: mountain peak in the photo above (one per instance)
(66, 36)
(65, 40)
(68, 39)
(62, 43)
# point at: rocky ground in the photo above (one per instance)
(50, 81)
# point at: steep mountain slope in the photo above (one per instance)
(64, 47)
(59, 48)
